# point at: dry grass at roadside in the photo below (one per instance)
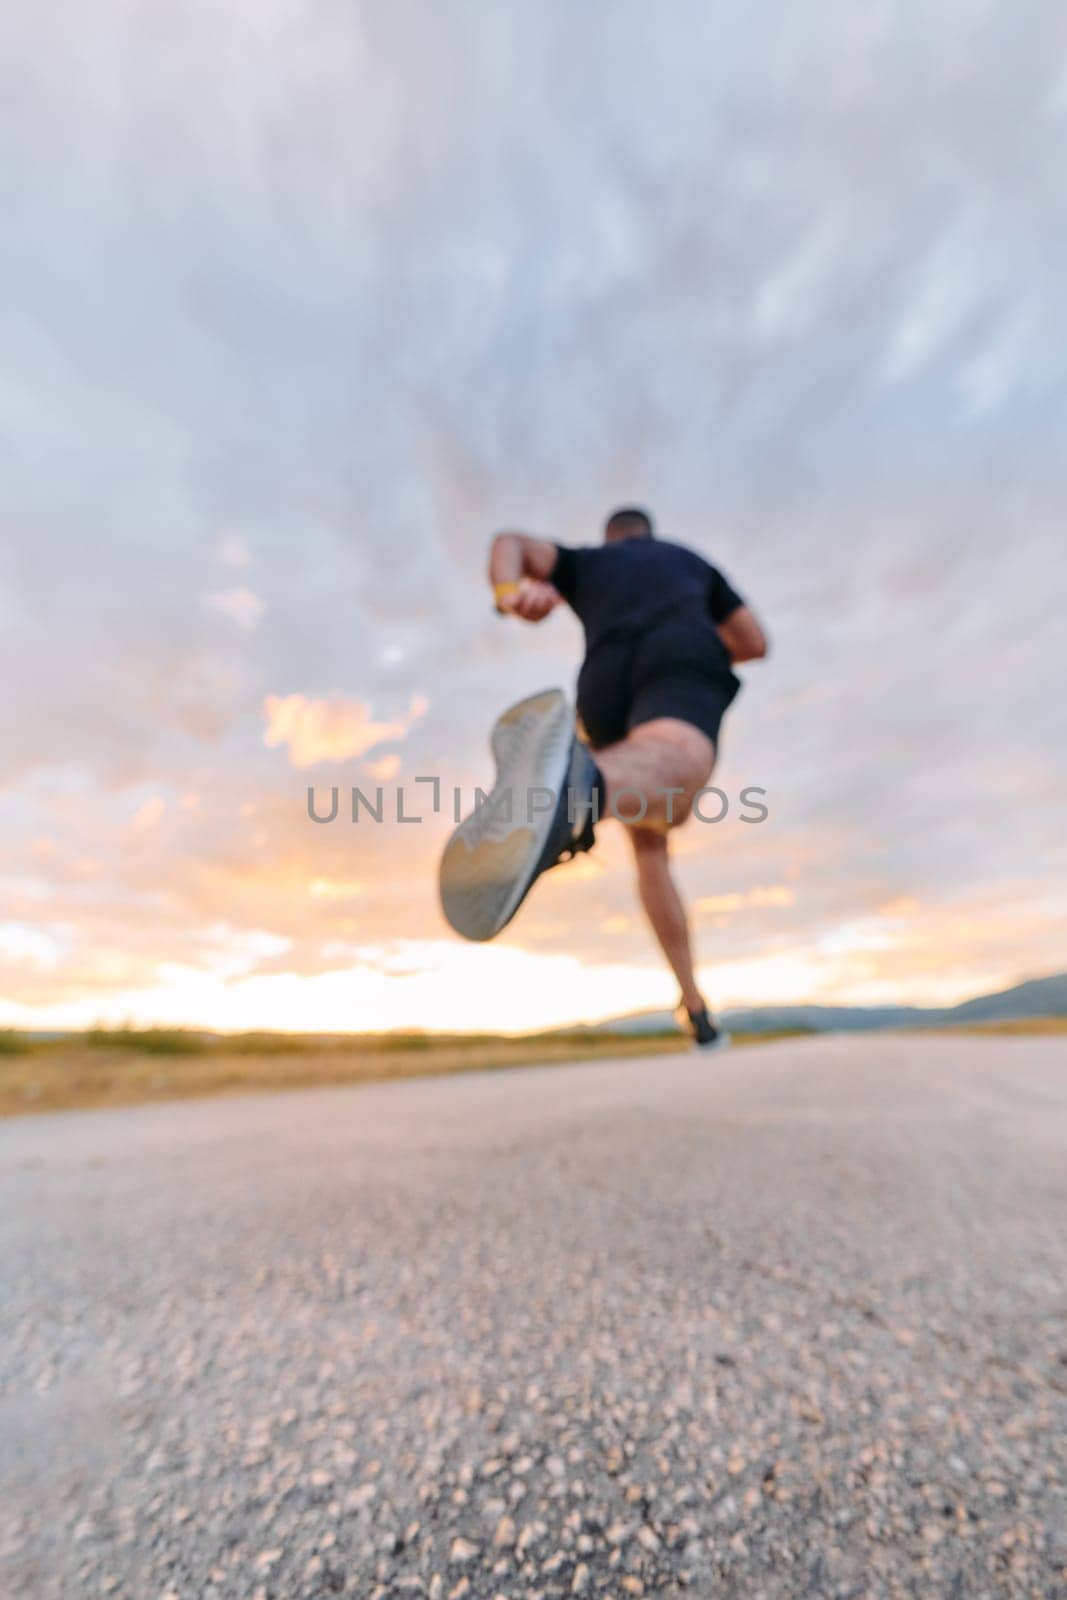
(1030, 1025)
(127, 1066)
(124, 1067)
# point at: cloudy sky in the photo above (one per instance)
(303, 299)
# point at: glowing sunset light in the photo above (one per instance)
(330, 730)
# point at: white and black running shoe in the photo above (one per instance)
(701, 1027)
(540, 811)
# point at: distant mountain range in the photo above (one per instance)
(1040, 997)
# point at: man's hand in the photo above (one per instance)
(742, 635)
(519, 569)
(531, 599)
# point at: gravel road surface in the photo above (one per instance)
(784, 1322)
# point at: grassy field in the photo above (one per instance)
(127, 1067)
(1035, 1026)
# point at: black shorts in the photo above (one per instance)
(670, 670)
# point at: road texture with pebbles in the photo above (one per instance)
(786, 1321)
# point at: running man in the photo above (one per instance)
(663, 631)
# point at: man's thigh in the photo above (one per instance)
(660, 757)
(678, 746)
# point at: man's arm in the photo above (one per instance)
(742, 635)
(519, 569)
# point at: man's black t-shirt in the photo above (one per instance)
(634, 584)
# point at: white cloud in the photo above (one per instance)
(22, 943)
(233, 551)
(241, 606)
(148, 813)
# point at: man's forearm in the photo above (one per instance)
(518, 555)
(505, 559)
(518, 570)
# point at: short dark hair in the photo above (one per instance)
(629, 522)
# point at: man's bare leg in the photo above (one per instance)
(652, 776)
(651, 779)
(665, 910)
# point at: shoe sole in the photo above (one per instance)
(494, 855)
(721, 1043)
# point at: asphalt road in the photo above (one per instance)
(785, 1322)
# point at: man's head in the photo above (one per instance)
(629, 522)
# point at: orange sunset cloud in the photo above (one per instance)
(331, 730)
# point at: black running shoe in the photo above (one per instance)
(705, 1033)
(538, 813)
